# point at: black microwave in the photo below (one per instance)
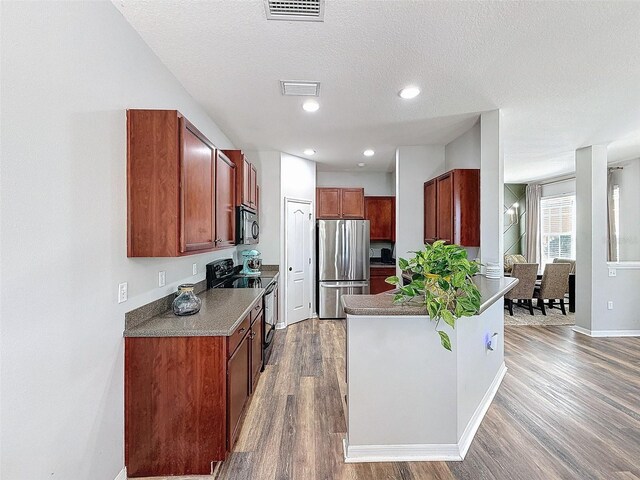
(248, 230)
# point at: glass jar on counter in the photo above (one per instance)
(186, 303)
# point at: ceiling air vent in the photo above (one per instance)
(300, 89)
(301, 10)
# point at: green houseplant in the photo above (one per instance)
(441, 279)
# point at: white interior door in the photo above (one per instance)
(298, 261)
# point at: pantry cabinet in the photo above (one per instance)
(452, 208)
(172, 207)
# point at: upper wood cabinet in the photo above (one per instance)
(246, 179)
(328, 203)
(337, 203)
(225, 201)
(171, 187)
(430, 211)
(452, 208)
(381, 213)
(352, 203)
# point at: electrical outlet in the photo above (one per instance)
(609, 305)
(123, 292)
(195, 268)
(162, 278)
(612, 272)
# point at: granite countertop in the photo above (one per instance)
(382, 304)
(223, 309)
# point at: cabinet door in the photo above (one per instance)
(253, 185)
(430, 212)
(445, 208)
(352, 203)
(257, 334)
(381, 213)
(197, 191)
(237, 388)
(225, 201)
(328, 203)
(246, 182)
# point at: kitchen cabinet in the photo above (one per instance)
(381, 213)
(339, 203)
(256, 335)
(328, 203)
(171, 187)
(238, 384)
(452, 208)
(430, 212)
(185, 397)
(377, 277)
(225, 201)
(246, 179)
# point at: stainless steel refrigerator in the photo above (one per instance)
(343, 263)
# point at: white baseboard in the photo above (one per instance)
(606, 333)
(401, 453)
(476, 419)
(122, 475)
(427, 452)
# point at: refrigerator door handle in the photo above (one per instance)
(343, 285)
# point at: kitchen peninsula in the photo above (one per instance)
(409, 399)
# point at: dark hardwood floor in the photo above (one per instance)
(568, 408)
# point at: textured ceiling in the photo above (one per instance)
(565, 74)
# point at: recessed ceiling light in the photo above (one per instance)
(361, 164)
(409, 92)
(310, 106)
(309, 151)
(368, 153)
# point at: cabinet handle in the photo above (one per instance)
(242, 330)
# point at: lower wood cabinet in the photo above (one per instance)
(377, 277)
(238, 383)
(185, 398)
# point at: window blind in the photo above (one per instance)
(557, 218)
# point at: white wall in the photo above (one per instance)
(414, 166)
(560, 187)
(464, 151)
(69, 72)
(374, 183)
(628, 180)
(491, 188)
(268, 164)
(593, 285)
(297, 181)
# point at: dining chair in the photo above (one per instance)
(526, 273)
(553, 286)
(570, 262)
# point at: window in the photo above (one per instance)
(558, 227)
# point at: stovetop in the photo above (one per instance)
(224, 274)
(239, 281)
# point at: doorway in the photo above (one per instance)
(298, 260)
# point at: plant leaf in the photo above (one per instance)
(449, 319)
(393, 280)
(444, 340)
